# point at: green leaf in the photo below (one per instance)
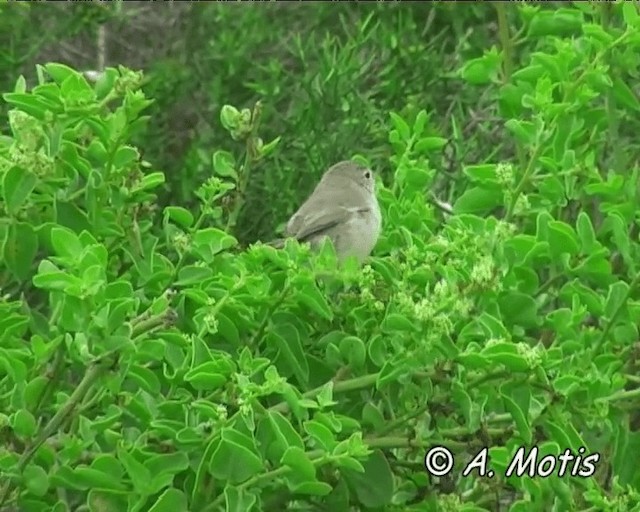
(519, 418)
(20, 249)
(34, 389)
(552, 189)
(371, 415)
(524, 131)
(192, 274)
(462, 401)
(299, 462)
(311, 297)
(68, 215)
(206, 377)
(104, 85)
(97, 153)
(269, 147)
(401, 126)
(520, 506)
(375, 487)
(210, 241)
(21, 85)
(390, 372)
(448, 347)
(562, 238)
(50, 92)
(616, 298)
(13, 367)
(285, 338)
(586, 233)
(227, 328)
(144, 379)
(416, 178)
(149, 181)
(17, 185)
(596, 32)
(620, 237)
(623, 94)
(482, 173)
(556, 22)
(473, 361)
(500, 458)
(49, 277)
(179, 215)
(278, 434)
(59, 72)
(127, 155)
(140, 476)
(348, 462)
(624, 466)
(354, 351)
(479, 200)
(482, 70)
(229, 117)
(518, 309)
(312, 488)
(321, 434)
(517, 248)
(24, 424)
(171, 500)
(493, 327)
(238, 499)
(36, 480)
(428, 144)
(100, 500)
(235, 458)
(557, 434)
(66, 243)
(630, 14)
(224, 165)
(76, 90)
(32, 105)
(566, 384)
(83, 478)
(395, 322)
(506, 354)
(167, 463)
(419, 123)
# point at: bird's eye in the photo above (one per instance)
(367, 174)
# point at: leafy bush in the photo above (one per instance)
(150, 362)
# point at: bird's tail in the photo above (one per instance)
(278, 243)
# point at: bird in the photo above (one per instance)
(343, 207)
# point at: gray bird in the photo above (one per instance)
(343, 207)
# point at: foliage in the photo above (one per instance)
(150, 362)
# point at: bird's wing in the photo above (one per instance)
(315, 223)
(324, 210)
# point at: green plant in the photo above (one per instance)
(151, 361)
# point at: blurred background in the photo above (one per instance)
(327, 74)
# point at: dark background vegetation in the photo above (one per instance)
(516, 314)
(327, 74)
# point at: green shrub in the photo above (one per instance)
(151, 361)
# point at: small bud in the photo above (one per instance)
(229, 117)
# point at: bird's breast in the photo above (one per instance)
(362, 232)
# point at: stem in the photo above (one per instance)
(523, 182)
(621, 395)
(243, 179)
(93, 373)
(338, 387)
(616, 314)
(505, 41)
